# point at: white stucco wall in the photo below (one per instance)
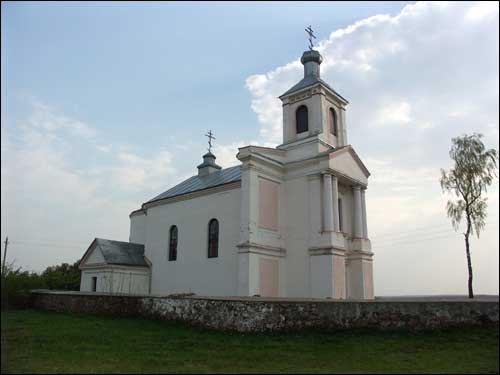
(193, 271)
(346, 195)
(296, 237)
(138, 228)
(328, 102)
(321, 268)
(110, 279)
(103, 280)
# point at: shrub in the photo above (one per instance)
(62, 277)
(16, 283)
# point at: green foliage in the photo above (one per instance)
(17, 283)
(473, 172)
(62, 277)
(47, 342)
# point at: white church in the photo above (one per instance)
(287, 222)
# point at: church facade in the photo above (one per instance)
(288, 221)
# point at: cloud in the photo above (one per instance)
(409, 71)
(49, 120)
(134, 173)
(60, 185)
(394, 113)
(482, 10)
(265, 89)
(414, 81)
(226, 153)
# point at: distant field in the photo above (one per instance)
(45, 342)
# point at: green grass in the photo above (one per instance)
(47, 342)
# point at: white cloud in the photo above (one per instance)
(265, 89)
(131, 172)
(49, 193)
(481, 10)
(51, 121)
(104, 148)
(394, 113)
(226, 153)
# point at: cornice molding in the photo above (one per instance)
(326, 250)
(359, 255)
(100, 266)
(255, 248)
(194, 194)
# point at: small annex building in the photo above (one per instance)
(115, 267)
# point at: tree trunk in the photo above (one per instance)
(469, 263)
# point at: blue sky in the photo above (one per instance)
(104, 105)
(147, 71)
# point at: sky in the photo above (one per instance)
(105, 105)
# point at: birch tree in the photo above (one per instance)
(474, 170)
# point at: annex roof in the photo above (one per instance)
(118, 252)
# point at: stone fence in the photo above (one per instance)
(266, 315)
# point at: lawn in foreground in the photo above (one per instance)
(39, 341)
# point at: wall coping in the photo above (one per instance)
(385, 300)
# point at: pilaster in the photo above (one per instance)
(358, 220)
(327, 203)
(335, 197)
(363, 213)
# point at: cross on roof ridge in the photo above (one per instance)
(210, 137)
(310, 31)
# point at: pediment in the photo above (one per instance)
(347, 163)
(93, 255)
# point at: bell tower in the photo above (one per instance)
(312, 109)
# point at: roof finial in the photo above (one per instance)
(210, 137)
(310, 31)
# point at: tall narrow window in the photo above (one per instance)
(333, 122)
(341, 224)
(301, 118)
(213, 238)
(172, 243)
(94, 283)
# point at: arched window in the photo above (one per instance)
(333, 122)
(172, 243)
(213, 238)
(301, 119)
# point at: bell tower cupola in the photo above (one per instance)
(311, 61)
(208, 166)
(313, 109)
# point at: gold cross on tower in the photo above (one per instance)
(210, 137)
(311, 35)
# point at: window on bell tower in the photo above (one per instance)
(333, 122)
(301, 119)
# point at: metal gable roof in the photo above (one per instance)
(123, 253)
(196, 183)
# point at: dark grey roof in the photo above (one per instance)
(124, 253)
(196, 183)
(310, 80)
